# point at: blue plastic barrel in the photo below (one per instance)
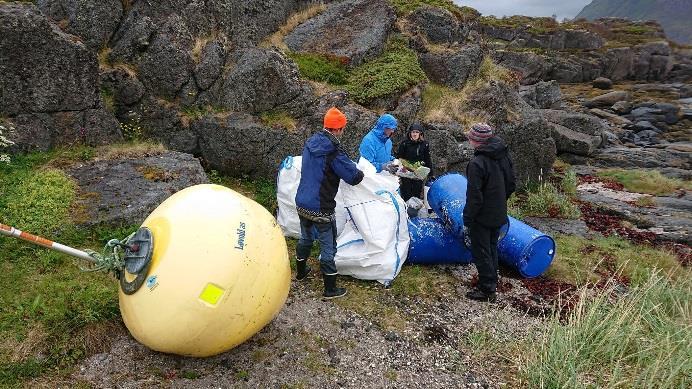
(431, 244)
(447, 197)
(526, 249)
(523, 247)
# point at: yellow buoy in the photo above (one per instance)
(219, 273)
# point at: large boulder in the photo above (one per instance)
(607, 99)
(167, 63)
(527, 134)
(602, 83)
(542, 94)
(437, 24)
(259, 80)
(618, 63)
(353, 30)
(576, 133)
(124, 191)
(49, 84)
(570, 141)
(582, 40)
(239, 144)
(531, 67)
(93, 21)
(653, 61)
(43, 69)
(452, 68)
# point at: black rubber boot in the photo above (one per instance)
(330, 289)
(302, 269)
(479, 295)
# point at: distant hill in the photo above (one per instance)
(674, 15)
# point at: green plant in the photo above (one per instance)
(4, 142)
(405, 7)
(396, 70)
(545, 200)
(645, 181)
(108, 99)
(133, 130)
(580, 261)
(317, 67)
(51, 313)
(642, 339)
(569, 182)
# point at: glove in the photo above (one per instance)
(390, 167)
(467, 237)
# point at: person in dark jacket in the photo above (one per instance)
(414, 149)
(324, 164)
(491, 181)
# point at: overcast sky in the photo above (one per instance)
(561, 8)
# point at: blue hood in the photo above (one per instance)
(385, 121)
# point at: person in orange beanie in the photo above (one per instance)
(324, 165)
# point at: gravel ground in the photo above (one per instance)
(443, 341)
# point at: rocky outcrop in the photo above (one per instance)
(93, 21)
(240, 144)
(437, 25)
(523, 128)
(259, 80)
(648, 62)
(353, 31)
(668, 218)
(544, 95)
(124, 191)
(530, 67)
(560, 39)
(574, 132)
(452, 67)
(49, 84)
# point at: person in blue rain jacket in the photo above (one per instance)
(376, 146)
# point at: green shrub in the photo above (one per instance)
(569, 182)
(396, 70)
(643, 339)
(405, 7)
(319, 68)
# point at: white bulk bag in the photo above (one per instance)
(374, 242)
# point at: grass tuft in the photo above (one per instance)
(640, 340)
(580, 261)
(277, 38)
(646, 181)
(279, 119)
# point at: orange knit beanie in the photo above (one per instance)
(334, 119)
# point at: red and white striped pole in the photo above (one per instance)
(37, 240)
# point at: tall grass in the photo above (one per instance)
(545, 200)
(646, 181)
(642, 340)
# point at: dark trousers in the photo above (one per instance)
(411, 188)
(326, 234)
(484, 251)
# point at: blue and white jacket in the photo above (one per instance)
(376, 147)
(324, 164)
